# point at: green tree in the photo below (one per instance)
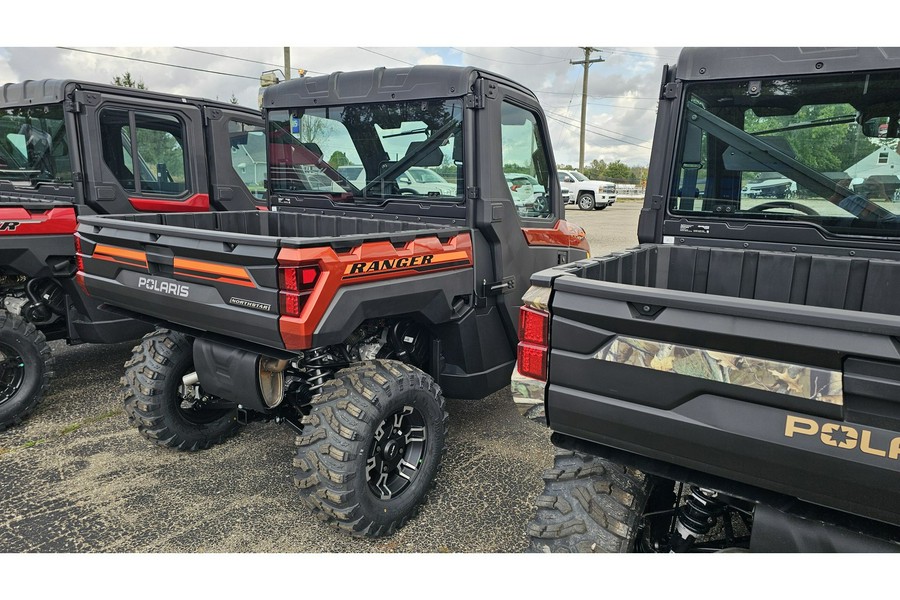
(595, 170)
(233, 98)
(825, 147)
(126, 80)
(617, 170)
(338, 159)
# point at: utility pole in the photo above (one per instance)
(287, 63)
(586, 63)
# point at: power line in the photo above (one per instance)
(630, 52)
(600, 128)
(543, 55)
(231, 57)
(386, 56)
(154, 62)
(258, 62)
(569, 105)
(590, 130)
(598, 96)
(508, 62)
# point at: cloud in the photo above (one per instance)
(621, 92)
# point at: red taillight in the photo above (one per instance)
(289, 280)
(532, 361)
(308, 276)
(296, 285)
(79, 260)
(534, 341)
(534, 326)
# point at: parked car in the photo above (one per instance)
(770, 185)
(355, 174)
(419, 180)
(588, 194)
(529, 196)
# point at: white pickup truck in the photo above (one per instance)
(586, 193)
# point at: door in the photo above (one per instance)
(142, 155)
(237, 156)
(519, 215)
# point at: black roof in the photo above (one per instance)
(731, 63)
(49, 91)
(421, 82)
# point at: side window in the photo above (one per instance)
(248, 155)
(145, 151)
(525, 164)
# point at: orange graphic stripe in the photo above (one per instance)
(226, 271)
(112, 253)
(218, 279)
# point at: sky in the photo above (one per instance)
(621, 99)
(220, 50)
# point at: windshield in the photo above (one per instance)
(578, 176)
(816, 149)
(369, 151)
(33, 146)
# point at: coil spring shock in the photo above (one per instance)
(315, 364)
(697, 516)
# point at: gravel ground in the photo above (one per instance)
(76, 478)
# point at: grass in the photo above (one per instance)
(71, 427)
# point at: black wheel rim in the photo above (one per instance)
(12, 372)
(397, 453)
(194, 409)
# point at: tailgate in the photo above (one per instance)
(260, 287)
(800, 400)
(166, 273)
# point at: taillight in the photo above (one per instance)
(534, 343)
(534, 326)
(79, 260)
(295, 286)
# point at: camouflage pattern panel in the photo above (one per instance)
(537, 297)
(811, 383)
(528, 394)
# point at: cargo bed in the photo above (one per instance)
(667, 351)
(219, 272)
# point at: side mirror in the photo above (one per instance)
(880, 120)
(876, 127)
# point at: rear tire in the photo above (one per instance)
(154, 404)
(589, 505)
(371, 448)
(585, 202)
(26, 367)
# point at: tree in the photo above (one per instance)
(128, 81)
(314, 130)
(233, 98)
(823, 147)
(338, 159)
(595, 170)
(617, 170)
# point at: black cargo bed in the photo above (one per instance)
(266, 228)
(821, 332)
